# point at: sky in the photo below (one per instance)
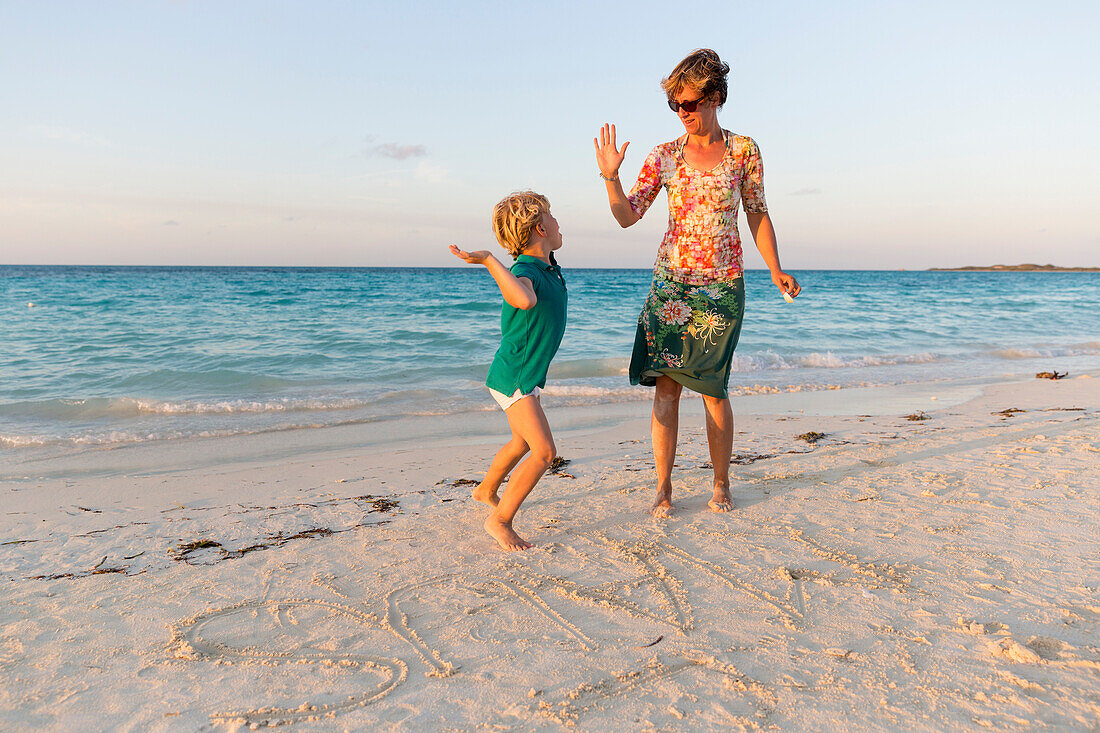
(894, 134)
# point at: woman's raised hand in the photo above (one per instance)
(608, 156)
(473, 258)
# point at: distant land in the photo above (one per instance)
(1015, 268)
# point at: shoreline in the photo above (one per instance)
(896, 574)
(639, 268)
(1014, 268)
(450, 430)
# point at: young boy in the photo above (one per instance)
(532, 322)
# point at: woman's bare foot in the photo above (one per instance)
(722, 502)
(503, 533)
(662, 505)
(486, 495)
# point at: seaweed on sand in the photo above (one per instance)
(557, 465)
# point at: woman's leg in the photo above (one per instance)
(720, 442)
(528, 421)
(504, 461)
(664, 426)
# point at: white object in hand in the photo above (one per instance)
(787, 297)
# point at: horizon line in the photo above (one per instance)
(965, 268)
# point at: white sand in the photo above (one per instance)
(901, 575)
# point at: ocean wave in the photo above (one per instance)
(124, 407)
(216, 379)
(761, 389)
(631, 393)
(601, 393)
(567, 395)
(581, 368)
(114, 438)
(750, 362)
(471, 306)
(117, 438)
(1086, 349)
(769, 360)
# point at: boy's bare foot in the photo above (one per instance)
(505, 536)
(485, 496)
(662, 505)
(722, 502)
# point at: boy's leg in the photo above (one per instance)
(528, 421)
(720, 442)
(503, 462)
(664, 426)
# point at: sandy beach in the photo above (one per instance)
(928, 561)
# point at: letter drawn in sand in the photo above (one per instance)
(190, 642)
(645, 586)
(882, 575)
(583, 699)
(503, 589)
(790, 614)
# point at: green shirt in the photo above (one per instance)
(530, 338)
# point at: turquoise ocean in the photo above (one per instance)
(109, 356)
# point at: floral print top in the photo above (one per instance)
(701, 245)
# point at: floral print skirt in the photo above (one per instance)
(688, 333)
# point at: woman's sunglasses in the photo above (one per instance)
(688, 107)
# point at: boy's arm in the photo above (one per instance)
(517, 291)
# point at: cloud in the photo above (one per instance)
(806, 192)
(396, 151)
(171, 223)
(431, 173)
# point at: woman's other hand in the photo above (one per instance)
(786, 283)
(608, 156)
(473, 258)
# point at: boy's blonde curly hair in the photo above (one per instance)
(515, 217)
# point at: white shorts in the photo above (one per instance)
(505, 401)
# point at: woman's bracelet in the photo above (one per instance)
(613, 178)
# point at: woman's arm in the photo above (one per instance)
(764, 235)
(517, 291)
(609, 158)
(620, 206)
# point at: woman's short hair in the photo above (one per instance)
(702, 70)
(515, 217)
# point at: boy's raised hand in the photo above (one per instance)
(474, 258)
(517, 291)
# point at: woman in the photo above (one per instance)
(690, 323)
